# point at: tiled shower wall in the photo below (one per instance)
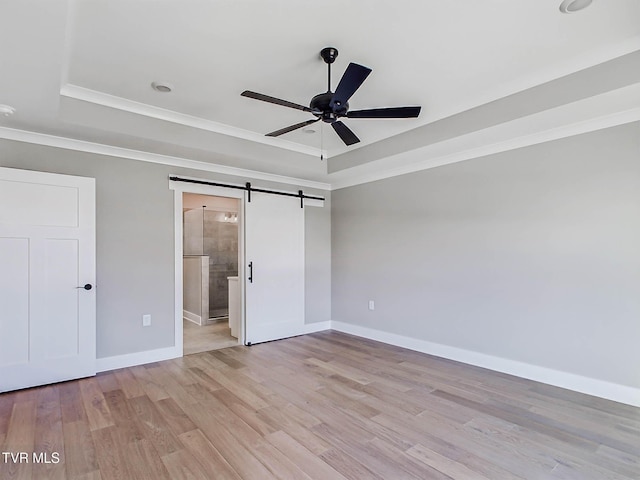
(221, 244)
(219, 240)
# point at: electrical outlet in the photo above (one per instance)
(146, 320)
(372, 305)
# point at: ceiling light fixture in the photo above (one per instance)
(7, 110)
(161, 87)
(573, 6)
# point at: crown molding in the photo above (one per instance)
(356, 175)
(111, 101)
(370, 173)
(553, 72)
(599, 112)
(36, 138)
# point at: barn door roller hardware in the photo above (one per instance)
(250, 189)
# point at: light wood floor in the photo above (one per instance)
(324, 406)
(203, 338)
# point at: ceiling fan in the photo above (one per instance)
(331, 106)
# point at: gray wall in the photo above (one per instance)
(531, 255)
(135, 243)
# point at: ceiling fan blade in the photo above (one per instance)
(393, 112)
(277, 101)
(347, 136)
(353, 77)
(291, 128)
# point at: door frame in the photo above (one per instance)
(178, 189)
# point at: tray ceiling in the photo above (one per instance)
(83, 70)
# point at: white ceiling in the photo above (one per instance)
(83, 70)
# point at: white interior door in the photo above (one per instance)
(47, 251)
(274, 233)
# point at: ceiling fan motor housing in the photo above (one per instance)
(321, 108)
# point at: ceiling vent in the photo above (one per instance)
(7, 110)
(161, 87)
(573, 6)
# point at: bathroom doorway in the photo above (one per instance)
(210, 272)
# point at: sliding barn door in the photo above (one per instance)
(274, 243)
(47, 271)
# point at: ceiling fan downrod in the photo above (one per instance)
(329, 55)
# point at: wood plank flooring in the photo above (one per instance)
(324, 406)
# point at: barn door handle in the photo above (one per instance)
(87, 286)
(250, 272)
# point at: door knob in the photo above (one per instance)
(87, 286)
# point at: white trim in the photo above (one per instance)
(242, 334)
(178, 279)
(578, 383)
(192, 317)
(123, 104)
(359, 175)
(100, 149)
(178, 189)
(421, 158)
(315, 327)
(168, 353)
(312, 202)
(138, 358)
(351, 177)
(590, 386)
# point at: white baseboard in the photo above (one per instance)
(150, 356)
(192, 317)
(578, 383)
(138, 358)
(316, 327)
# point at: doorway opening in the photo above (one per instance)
(211, 258)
